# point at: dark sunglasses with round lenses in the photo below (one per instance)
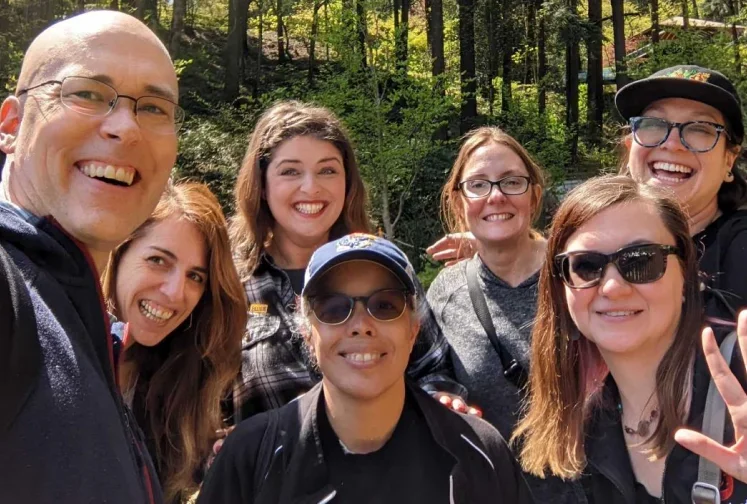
(637, 264)
(334, 309)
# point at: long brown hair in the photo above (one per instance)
(566, 377)
(251, 226)
(182, 380)
(451, 201)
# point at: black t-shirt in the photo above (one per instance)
(410, 468)
(296, 277)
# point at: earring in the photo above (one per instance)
(729, 176)
(190, 322)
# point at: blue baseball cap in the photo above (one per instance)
(356, 247)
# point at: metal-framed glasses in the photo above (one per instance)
(637, 264)
(696, 136)
(480, 188)
(334, 309)
(94, 98)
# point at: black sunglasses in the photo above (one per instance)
(334, 309)
(637, 264)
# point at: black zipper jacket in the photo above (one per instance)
(484, 472)
(610, 478)
(66, 436)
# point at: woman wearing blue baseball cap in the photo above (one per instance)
(686, 136)
(364, 434)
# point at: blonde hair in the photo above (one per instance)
(182, 380)
(451, 201)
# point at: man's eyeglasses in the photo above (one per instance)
(480, 188)
(637, 264)
(696, 136)
(94, 98)
(383, 305)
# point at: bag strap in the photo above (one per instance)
(706, 489)
(512, 369)
(20, 351)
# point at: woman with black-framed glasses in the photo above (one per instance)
(494, 191)
(686, 133)
(365, 434)
(617, 366)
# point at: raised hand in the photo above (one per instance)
(731, 459)
(452, 248)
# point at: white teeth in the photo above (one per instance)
(154, 312)
(618, 313)
(121, 174)
(498, 217)
(362, 357)
(309, 208)
(671, 167)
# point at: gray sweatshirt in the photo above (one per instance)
(476, 363)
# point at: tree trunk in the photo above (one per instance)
(81, 6)
(468, 112)
(490, 14)
(237, 23)
(177, 27)
(530, 65)
(281, 43)
(571, 87)
(541, 60)
(735, 8)
(654, 21)
(361, 30)
(114, 5)
(260, 47)
(437, 37)
(685, 15)
(145, 7)
(312, 42)
(695, 9)
(326, 30)
(404, 30)
(507, 50)
(595, 95)
(618, 27)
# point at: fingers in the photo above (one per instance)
(742, 334)
(445, 242)
(725, 458)
(446, 254)
(453, 402)
(474, 411)
(727, 384)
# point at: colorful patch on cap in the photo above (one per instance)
(258, 309)
(689, 74)
(355, 241)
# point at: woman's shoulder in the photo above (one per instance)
(449, 279)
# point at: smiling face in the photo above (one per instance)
(60, 159)
(160, 279)
(363, 357)
(695, 178)
(305, 189)
(620, 317)
(497, 217)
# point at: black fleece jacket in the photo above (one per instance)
(65, 435)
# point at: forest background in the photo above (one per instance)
(409, 77)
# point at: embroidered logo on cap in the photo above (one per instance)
(688, 74)
(355, 241)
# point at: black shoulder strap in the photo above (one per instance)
(512, 370)
(20, 352)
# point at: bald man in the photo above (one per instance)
(90, 137)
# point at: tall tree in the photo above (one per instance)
(695, 9)
(401, 29)
(507, 51)
(734, 11)
(260, 46)
(595, 94)
(571, 77)
(685, 14)
(468, 112)
(312, 42)
(618, 29)
(530, 56)
(238, 17)
(361, 30)
(654, 21)
(114, 5)
(437, 37)
(147, 10)
(177, 27)
(280, 32)
(541, 58)
(490, 13)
